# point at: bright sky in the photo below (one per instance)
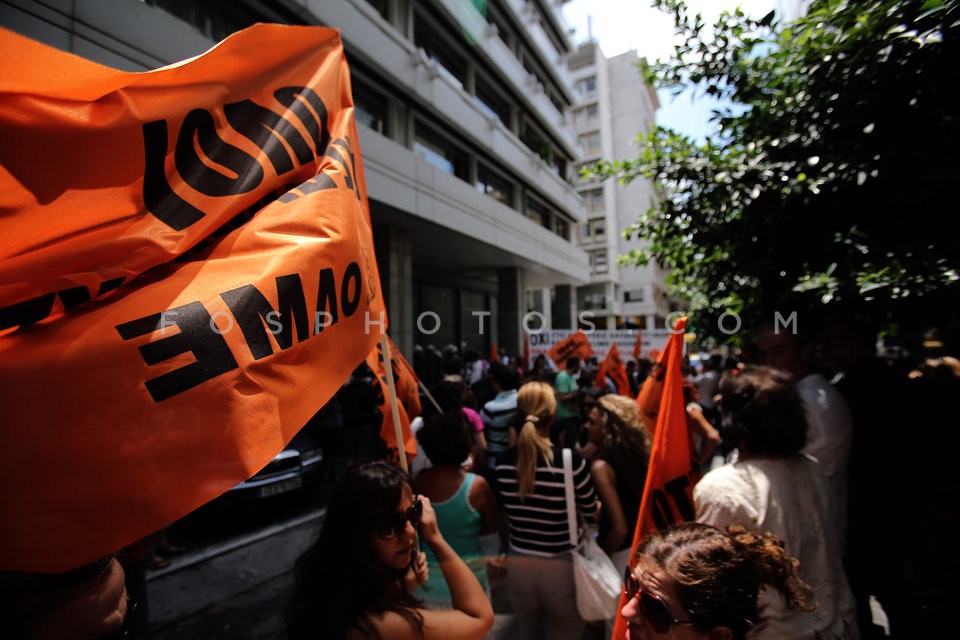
(622, 25)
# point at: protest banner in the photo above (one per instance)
(187, 275)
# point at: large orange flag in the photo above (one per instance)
(574, 345)
(668, 492)
(613, 366)
(408, 394)
(187, 274)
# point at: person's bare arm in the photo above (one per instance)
(698, 424)
(481, 499)
(472, 615)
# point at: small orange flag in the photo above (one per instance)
(494, 353)
(638, 345)
(574, 345)
(187, 276)
(668, 492)
(408, 394)
(613, 367)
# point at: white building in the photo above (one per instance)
(464, 129)
(614, 106)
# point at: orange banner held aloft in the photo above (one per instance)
(576, 345)
(614, 367)
(638, 345)
(187, 275)
(408, 394)
(668, 492)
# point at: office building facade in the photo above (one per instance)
(614, 106)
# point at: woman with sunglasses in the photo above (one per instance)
(529, 478)
(693, 581)
(357, 579)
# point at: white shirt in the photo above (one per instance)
(791, 498)
(830, 434)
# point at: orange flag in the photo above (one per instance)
(668, 492)
(613, 367)
(494, 353)
(408, 394)
(574, 345)
(638, 345)
(187, 276)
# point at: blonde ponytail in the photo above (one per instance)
(538, 401)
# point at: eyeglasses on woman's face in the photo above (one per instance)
(653, 608)
(395, 524)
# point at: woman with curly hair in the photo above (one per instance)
(774, 487)
(696, 581)
(357, 579)
(529, 479)
(619, 470)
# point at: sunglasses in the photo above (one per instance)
(395, 524)
(654, 610)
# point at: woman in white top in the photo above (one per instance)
(773, 487)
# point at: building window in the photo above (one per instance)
(494, 185)
(535, 140)
(593, 300)
(438, 152)
(561, 227)
(585, 231)
(599, 228)
(588, 85)
(208, 17)
(380, 6)
(591, 143)
(537, 212)
(440, 50)
(371, 107)
(492, 101)
(633, 295)
(594, 200)
(587, 115)
(598, 261)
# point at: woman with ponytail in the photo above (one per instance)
(529, 480)
(699, 582)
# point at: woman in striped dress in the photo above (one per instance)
(529, 480)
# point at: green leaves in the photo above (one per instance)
(831, 178)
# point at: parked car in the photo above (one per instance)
(297, 466)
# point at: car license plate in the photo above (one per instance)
(281, 487)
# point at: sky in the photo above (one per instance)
(622, 25)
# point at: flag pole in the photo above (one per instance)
(392, 390)
(426, 392)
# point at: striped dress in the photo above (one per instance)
(538, 523)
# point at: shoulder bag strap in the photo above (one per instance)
(568, 490)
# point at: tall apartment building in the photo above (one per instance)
(463, 119)
(614, 106)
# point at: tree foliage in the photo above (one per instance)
(830, 177)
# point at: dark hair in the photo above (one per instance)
(573, 362)
(444, 438)
(507, 377)
(718, 573)
(338, 582)
(762, 407)
(448, 394)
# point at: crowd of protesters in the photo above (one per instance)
(824, 464)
